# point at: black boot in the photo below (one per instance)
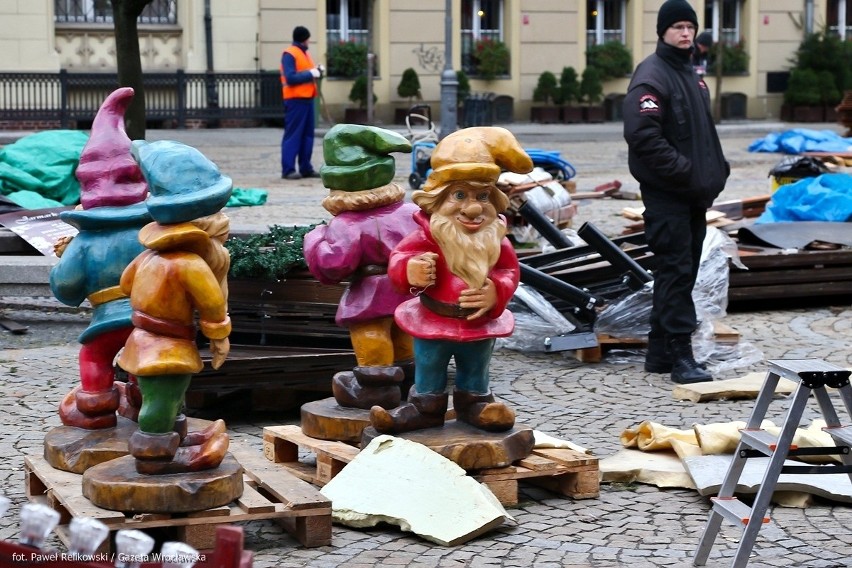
(685, 369)
(658, 359)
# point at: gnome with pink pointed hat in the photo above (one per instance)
(113, 191)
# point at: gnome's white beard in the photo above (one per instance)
(470, 256)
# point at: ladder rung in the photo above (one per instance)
(840, 433)
(733, 509)
(761, 440)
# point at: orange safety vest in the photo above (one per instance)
(303, 63)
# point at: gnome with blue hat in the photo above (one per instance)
(90, 265)
(183, 273)
(370, 218)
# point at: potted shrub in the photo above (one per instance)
(408, 88)
(491, 58)
(803, 96)
(612, 59)
(829, 94)
(358, 94)
(346, 59)
(569, 91)
(591, 93)
(547, 92)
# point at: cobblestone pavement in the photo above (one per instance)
(589, 404)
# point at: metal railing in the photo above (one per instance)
(179, 96)
(100, 12)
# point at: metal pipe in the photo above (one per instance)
(449, 81)
(809, 17)
(544, 225)
(635, 276)
(555, 287)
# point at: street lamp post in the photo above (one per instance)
(449, 82)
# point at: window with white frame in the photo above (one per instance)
(100, 12)
(606, 21)
(726, 17)
(346, 20)
(480, 20)
(839, 18)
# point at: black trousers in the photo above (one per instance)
(675, 232)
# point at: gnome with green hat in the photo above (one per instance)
(370, 218)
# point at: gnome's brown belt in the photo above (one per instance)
(445, 309)
(370, 270)
(165, 328)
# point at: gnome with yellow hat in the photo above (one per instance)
(370, 218)
(465, 271)
(181, 276)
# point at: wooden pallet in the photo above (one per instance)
(563, 471)
(268, 493)
(722, 332)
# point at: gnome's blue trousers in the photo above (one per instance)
(432, 356)
(298, 139)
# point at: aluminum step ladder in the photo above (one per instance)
(812, 376)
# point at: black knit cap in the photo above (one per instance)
(301, 34)
(673, 11)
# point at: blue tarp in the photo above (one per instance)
(823, 198)
(801, 140)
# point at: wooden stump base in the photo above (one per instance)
(117, 486)
(77, 449)
(469, 447)
(326, 420)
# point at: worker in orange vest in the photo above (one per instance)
(298, 88)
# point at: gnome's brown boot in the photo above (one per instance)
(153, 452)
(366, 387)
(89, 410)
(481, 411)
(421, 411)
(131, 399)
(407, 367)
(200, 437)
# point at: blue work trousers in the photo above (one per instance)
(298, 139)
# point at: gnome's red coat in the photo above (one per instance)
(417, 320)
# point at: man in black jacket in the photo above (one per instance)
(675, 154)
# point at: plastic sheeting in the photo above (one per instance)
(827, 197)
(43, 163)
(37, 172)
(800, 140)
(630, 316)
(535, 320)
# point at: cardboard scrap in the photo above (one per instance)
(708, 473)
(745, 387)
(663, 469)
(543, 440)
(404, 483)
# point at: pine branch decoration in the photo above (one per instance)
(268, 255)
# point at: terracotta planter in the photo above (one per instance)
(807, 114)
(594, 113)
(544, 114)
(572, 114)
(355, 116)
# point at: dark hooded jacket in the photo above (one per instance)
(674, 150)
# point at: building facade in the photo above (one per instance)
(539, 35)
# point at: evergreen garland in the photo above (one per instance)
(268, 255)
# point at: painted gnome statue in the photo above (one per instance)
(466, 272)
(112, 189)
(370, 218)
(182, 273)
